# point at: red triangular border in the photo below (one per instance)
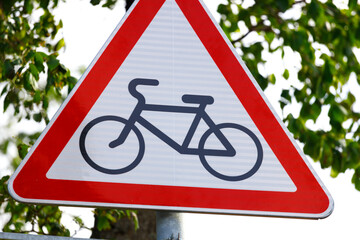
(30, 184)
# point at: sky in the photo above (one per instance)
(86, 29)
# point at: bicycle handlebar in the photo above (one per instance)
(140, 81)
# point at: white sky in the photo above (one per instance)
(86, 29)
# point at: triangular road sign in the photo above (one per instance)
(168, 117)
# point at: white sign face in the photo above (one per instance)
(168, 114)
(159, 54)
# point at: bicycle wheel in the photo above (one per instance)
(255, 161)
(109, 122)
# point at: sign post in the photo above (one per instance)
(169, 225)
(168, 117)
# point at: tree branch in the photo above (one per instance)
(258, 27)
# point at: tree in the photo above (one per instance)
(324, 37)
(31, 77)
(321, 35)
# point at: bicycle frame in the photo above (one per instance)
(199, 111)
(184, 147)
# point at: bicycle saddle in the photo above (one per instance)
(188, 98)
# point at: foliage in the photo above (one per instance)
(26, 218)
(324, 37)
(30, 73)
(31, 77)
(105, 218)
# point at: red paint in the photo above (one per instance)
(31, 182)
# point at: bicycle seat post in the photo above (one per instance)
(137, 110)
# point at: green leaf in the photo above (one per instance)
(286, 95)
(8, 69)
(356, 179)
(110, 217)
(37, 97)
(299, 39)
(22, 150)
(45, 102)
(337, 113)
(37, 117)
(4, 90)
(263, 82)
(286, 74)
(285, 98)
(326, 158)
(223, 9)
(4, 179)
(103, 223)
(327, 76)
(312, 145)
(4, 146)
(62, 69)
(39, 61)
(109, 4)
(352, 4)
(272, 79)
(34, 71)
(316, 12)
(28, 6)
(300, 95)
(337, 165)
(78, 221)
(44, 4)
(10, 98)
(350, 99)
(29, 82)
(71, 83)
(95, 2)
(330, 99)
(269, 37)
(59, 44)
(72, 80)
(29, 55)
(52, 63)
(310, 111)
(357, 132)
(283, 5)
(296, 126)
(353, 155)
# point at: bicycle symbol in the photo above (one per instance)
(200, 114)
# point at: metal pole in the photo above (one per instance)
(169, 225)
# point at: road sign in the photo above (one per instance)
(168, 117)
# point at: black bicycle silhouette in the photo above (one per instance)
(199, 111)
